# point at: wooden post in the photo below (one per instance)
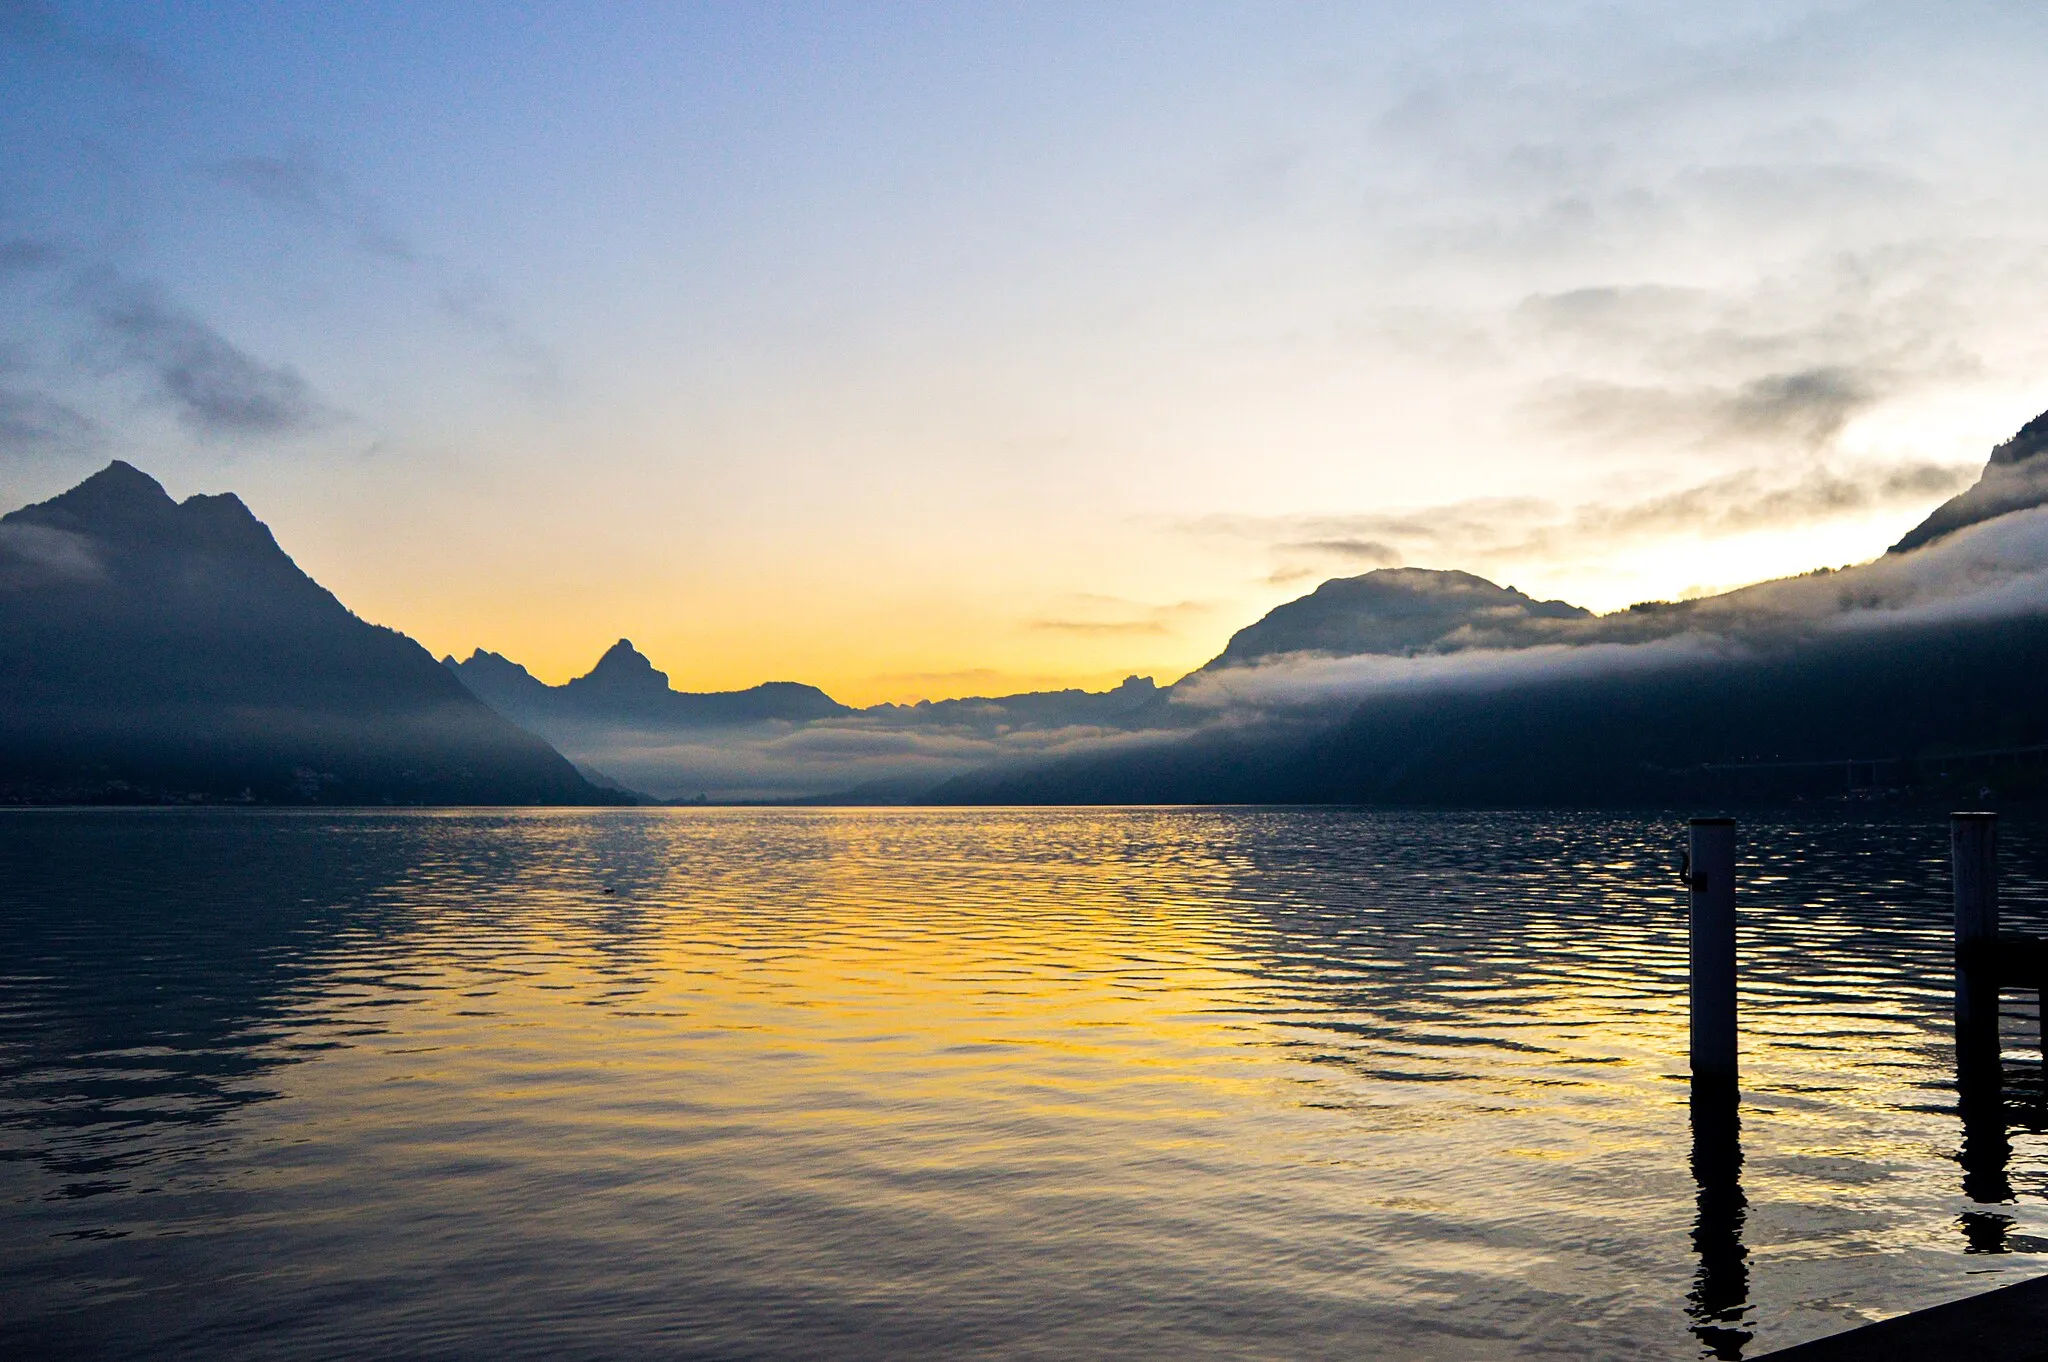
(1973, 850)
(1712, 902)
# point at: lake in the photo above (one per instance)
(1026, 1083)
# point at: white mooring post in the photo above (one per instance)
(1711, 883)
(1973, 849)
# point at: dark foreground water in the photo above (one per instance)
(1147, 1083)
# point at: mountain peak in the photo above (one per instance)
(2013, 480)
(1397, 611)
(120, 491)
(624, 666)
(2031, 440)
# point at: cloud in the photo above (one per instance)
(1112, 616)
(1304, 680)
(33, 423)
(1994, 570)
(38, 555)
(1517, 530)
(1105, 627)
(474, 303)
(38, 29)
(1367, 551)
(1751, 500)
(1806, 408)
(780, 760)
(299, 186)
(303, 188)
(25, 255)
(216, 388)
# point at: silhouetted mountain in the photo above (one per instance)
(1939, 706)
(1133, 701)
(1919, 670)
(1397, 611)
(164, 650)
(625, 688)
(783, 740)
(2013, 480)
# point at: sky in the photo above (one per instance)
(918, 351)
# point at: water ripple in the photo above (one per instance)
(1060, 1083)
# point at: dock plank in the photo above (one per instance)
(2006, 1325)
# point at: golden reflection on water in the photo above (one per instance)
(1059, 1082)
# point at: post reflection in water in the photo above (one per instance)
(1986, 1147)
(1719, 1300)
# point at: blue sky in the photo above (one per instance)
(925, 350)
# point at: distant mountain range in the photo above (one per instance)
(158, 650)
(783, 740)
(624, 688)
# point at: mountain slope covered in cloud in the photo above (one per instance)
(1920, 668)
(1394, 610)
(2015, 479)
(156, 649)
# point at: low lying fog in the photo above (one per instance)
(1995, 570)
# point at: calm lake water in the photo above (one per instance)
(1058, 1083)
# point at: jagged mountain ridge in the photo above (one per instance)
(625, 688)
(623, 718)
(157, 649)
(2014, 479)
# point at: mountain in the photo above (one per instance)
(165, 650)
(1397, 611)
(2015, 479)
(625, 689)
(1941, 706)
(783, 740)
(1917, 671)
(1132, 702)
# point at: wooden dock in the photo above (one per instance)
(2006, 1325)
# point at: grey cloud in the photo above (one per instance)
(1498, 529)
(1297, 679)
(214, 387)
(779, 760)
(474, 303)
(41, 30)
(33, 423)
(301, 186)
(298, 186)
(1749, 500)
(36, 555)
(1804, 407)
(1112, 615)
(1372, 551)
(26, 255)
(1127, 627)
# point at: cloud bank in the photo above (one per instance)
(1992, 571)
